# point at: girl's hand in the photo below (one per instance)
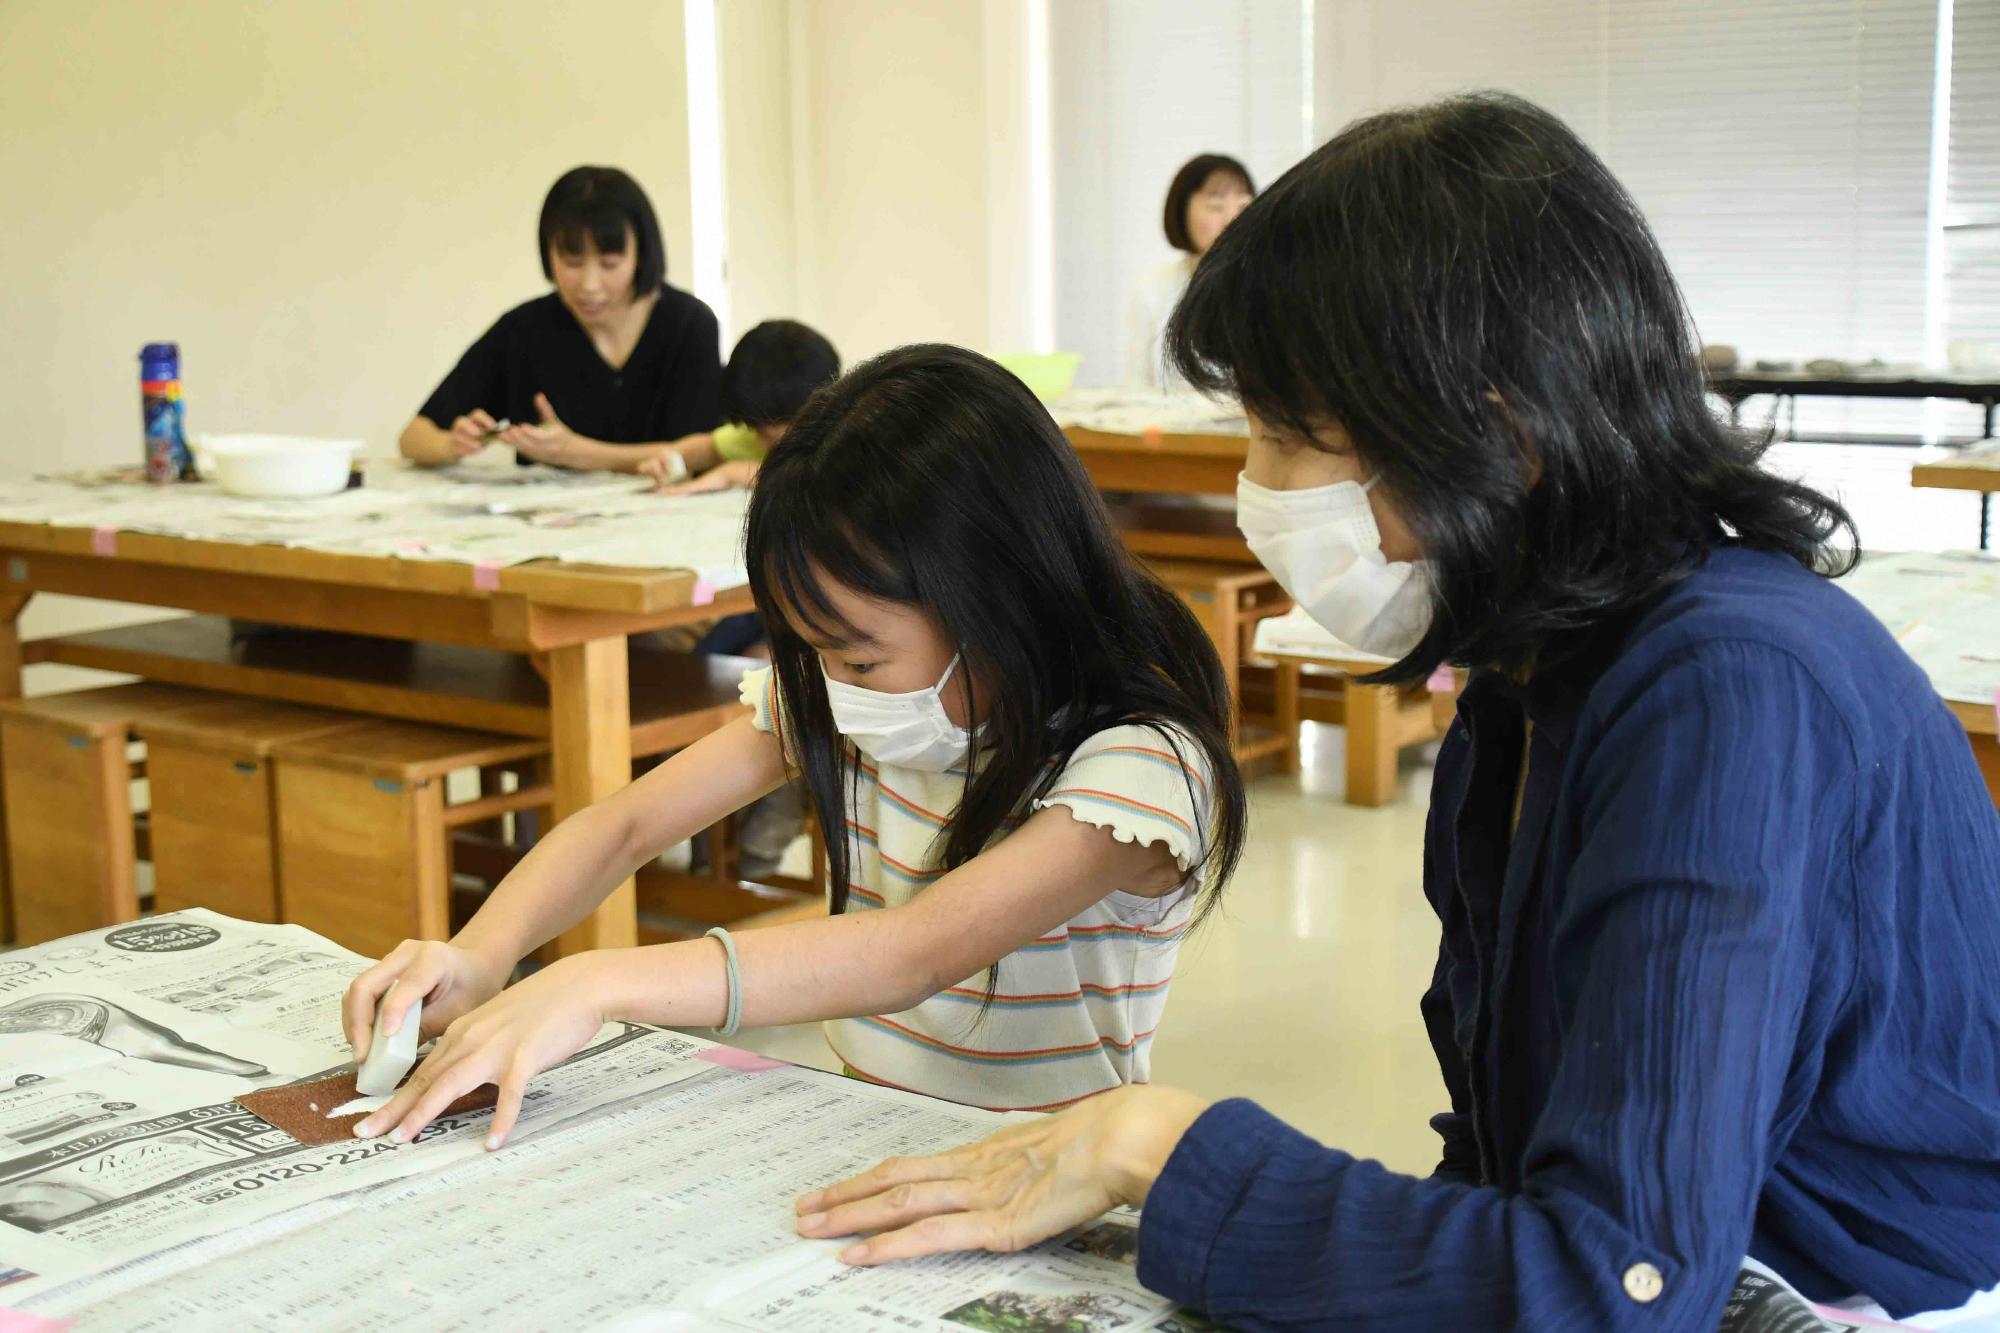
(449, 980)
(661, 467)
(506, 1041)
(1022, 1185)
(722, 477)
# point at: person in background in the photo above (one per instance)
(774, 369)
(1207, 194)
(1718, 880)
(613, 358)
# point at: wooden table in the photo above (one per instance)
(573, 618)
(1381, 721)
(1162, 489)
(1736, 385)
(1973, 470)
(1982, 728)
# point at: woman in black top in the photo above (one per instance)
(601, 373)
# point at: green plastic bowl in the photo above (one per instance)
(1048, 375)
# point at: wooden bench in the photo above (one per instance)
(67, 779)
(1229, 599)
(1381, 721)
(675, 698)
(362, 826)
(213, 810)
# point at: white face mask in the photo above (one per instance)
(1323, 547)
(906, 730)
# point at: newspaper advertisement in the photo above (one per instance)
(121, 1052)
(669, 1212)
(1763, 1302)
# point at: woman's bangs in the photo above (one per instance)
(605, 229)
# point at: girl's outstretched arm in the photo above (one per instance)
(1040, 876)
(564, 878)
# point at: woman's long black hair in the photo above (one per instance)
(930, 477)
(1470, 294)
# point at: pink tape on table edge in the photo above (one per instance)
(1153, 434)
(704, 592)
(21, 1321)
(104, 541)
(729, 1057)
(1442, 681)
(486, 575)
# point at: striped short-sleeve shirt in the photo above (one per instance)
(1075, 1011)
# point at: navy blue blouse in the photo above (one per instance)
(1731, 986)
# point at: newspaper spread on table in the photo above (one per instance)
(1135, 411)
(467, 513)
(1944, 608)
(647, 1186)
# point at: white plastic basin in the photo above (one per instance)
(276, 465)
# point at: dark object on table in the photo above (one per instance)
(300, 1108)
(1718, 357)
(1774, 367)
(1831, 368)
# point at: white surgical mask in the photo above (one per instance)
(1323, 547)
(907, 730)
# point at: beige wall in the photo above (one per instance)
(753, 41)
(322, 203)
(883, 153)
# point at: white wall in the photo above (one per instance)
(323, 204)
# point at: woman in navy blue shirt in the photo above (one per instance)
(1718, 879)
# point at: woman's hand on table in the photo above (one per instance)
(738, 475)
(1022, 1185)
(506, 1041)
(556, 444)
(449, 980)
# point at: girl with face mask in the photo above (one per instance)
(1017, 747)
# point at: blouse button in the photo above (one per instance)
(1643, 1283)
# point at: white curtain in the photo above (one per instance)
(1781, 149)
(1136, 88)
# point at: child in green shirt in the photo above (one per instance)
(774, 369)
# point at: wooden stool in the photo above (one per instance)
(1381, 720)
(364, 854)
(213, 811)
(68, 797)
(1229, 600)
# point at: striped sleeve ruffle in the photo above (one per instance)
(1145, 784)
(759, 691)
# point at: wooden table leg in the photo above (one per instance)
(1986, 749)
(1285, 693)
(11, 605)
(1370, 715)
(591, 726)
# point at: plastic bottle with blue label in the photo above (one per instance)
(167, 457)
